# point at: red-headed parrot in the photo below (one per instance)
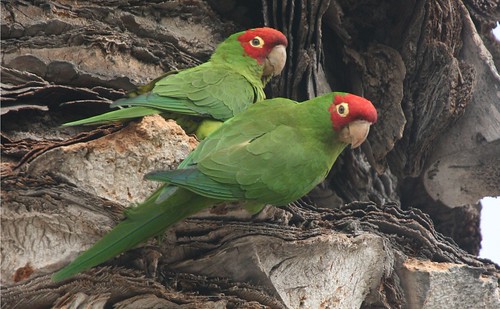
(273, 153)
(231, 81)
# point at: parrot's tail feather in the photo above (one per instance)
(137, 228)
(164, 103)
(116, 115)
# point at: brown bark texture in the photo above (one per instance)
(394, 225)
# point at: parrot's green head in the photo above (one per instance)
(352, 117)
(265, 47)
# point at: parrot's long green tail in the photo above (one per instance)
(116, 115)
(145, 221)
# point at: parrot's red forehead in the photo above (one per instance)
(349, 107)
(268, 37)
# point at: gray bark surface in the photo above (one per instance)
(398, 223)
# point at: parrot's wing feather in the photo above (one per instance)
(253, 124)
(254, 167)
(159, 103)
(199, 183)
(166, 190)
(117, 115)
(142, 89)
(206, 90)
(243, 129)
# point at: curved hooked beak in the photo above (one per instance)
(275, 61)
(355, 133)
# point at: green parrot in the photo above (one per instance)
(273, 153)
(231, 81)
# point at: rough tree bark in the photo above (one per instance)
(392, 213)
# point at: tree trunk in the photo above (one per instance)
(398, 220)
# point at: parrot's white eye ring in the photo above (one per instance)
(257, 42)
(343, 109)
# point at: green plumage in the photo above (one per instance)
(273, 153)
(150, 222)
(219, 89)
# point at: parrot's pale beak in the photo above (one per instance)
(355, 133)
(275, 61)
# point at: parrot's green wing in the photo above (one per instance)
(159, 104)
(207, 90)
(197, 182)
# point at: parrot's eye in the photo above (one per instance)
(257, 42)
(343, 109)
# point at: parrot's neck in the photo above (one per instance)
(235, 58)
